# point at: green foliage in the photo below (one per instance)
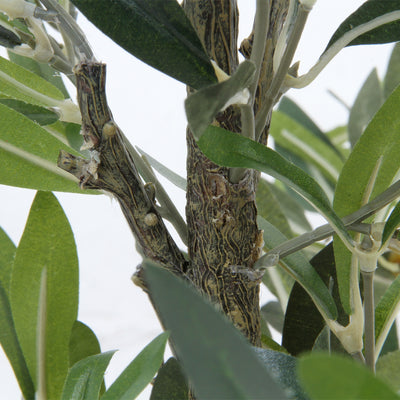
(221, 364)
(368, 11)
(155, 31)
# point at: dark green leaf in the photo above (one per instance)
(392, 341)
(170, 382)
(8, 38)
(283, 368)
(386, 311)
(367, 103)
(387, 369)
(202, 106)
(392, 76)
(290, 108)
(12, 349)
(218, 360)
(139, 373)
(47, 242)
(300, 269)
(155, 31)
(7, 254)
(85, 378)
(335, 377)
(380, 141)
(368, 11)
(38, 114)
(391, 224)
(233, 150)
(269, 208)
(303, 321)
(29, 155)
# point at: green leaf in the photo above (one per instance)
(218, 360)
(155, 31)
(29, 155)
(386, 311)
(301, 270)
(290, 108)
(47, 242)
(7, 254)
(12, 349)
(273, 314)
(368, 11)
(367, 103)
(387, 369)
(85, 378)
(392, 76)
(233, 150)
(139, 373)
(170, 382)
(300, 141)
(335, 377)
(8, 38)
(381, 138)
(269, 208)
(17, 82)
(83, 343)
(173, 177)
(202, 106)
(391, 224)
(283, 368)
(43, 70)
(38, 114)
(303, 322)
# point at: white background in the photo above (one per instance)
(148, 106)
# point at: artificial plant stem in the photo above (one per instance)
(369, 318)
(283, 68)
(322, 232)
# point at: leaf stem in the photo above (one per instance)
(341, 43)
(369, 318)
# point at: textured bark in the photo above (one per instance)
(221, 216)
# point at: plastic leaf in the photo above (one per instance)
(85, 378)
(301, 270)
(155, 31)
(202, 106)
(387, 369)
(232, 150)
(367, 103)
(368, 11)
(218, 360)
(139, 373)
(381, 138)
(29, 155)
(391, 224)
(335, 377)
(392, 77)
(47, 242)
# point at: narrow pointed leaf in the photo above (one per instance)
(170, 382)
(232, 150)
(38, 114)
(301, 270)
(368, 11)
(139, 373)
(202, 106)
(47, 242)
(300, 141)
(381, 138)
(15, 80)
(155, 31)
(334, 377)
(85, 378)
(367, 103)
(392, 76)
(386, 311)
(391, 224)
(218, 360)
(29, 155)
(387, 369)
(8, 335)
